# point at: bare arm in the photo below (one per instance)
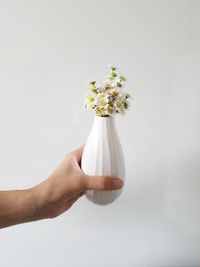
(54, 195)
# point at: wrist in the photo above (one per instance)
(27, 211)
(41, 194)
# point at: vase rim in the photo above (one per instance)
(103, 118)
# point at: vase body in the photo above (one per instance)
(103, 155)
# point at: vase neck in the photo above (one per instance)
(103, 122)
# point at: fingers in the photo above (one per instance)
(73, 200)
(103, 182)
(64, 206)
(78, 153)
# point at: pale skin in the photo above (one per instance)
(53, 196)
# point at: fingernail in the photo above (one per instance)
(118, 183)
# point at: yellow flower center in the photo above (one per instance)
(119, 104)
(91, 99)
(101, 95)
(98, 112)
(115, 93)
(110, 101)
(103, 103)
(110, 111)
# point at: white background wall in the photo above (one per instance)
(48, 50)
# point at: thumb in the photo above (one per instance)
(103, 182)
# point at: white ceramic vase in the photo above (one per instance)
(103, 155)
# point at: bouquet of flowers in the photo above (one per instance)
(110, 98)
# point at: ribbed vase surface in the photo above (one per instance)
(103, 155)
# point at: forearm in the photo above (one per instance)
(17, 206)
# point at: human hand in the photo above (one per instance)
(66, 184)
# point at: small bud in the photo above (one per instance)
(93, 89)
(113, 68)
(107, 86)
(93, 83)
(113, 75)
(110, 78)
(122, 78)
(125, 105)
(118, 84)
